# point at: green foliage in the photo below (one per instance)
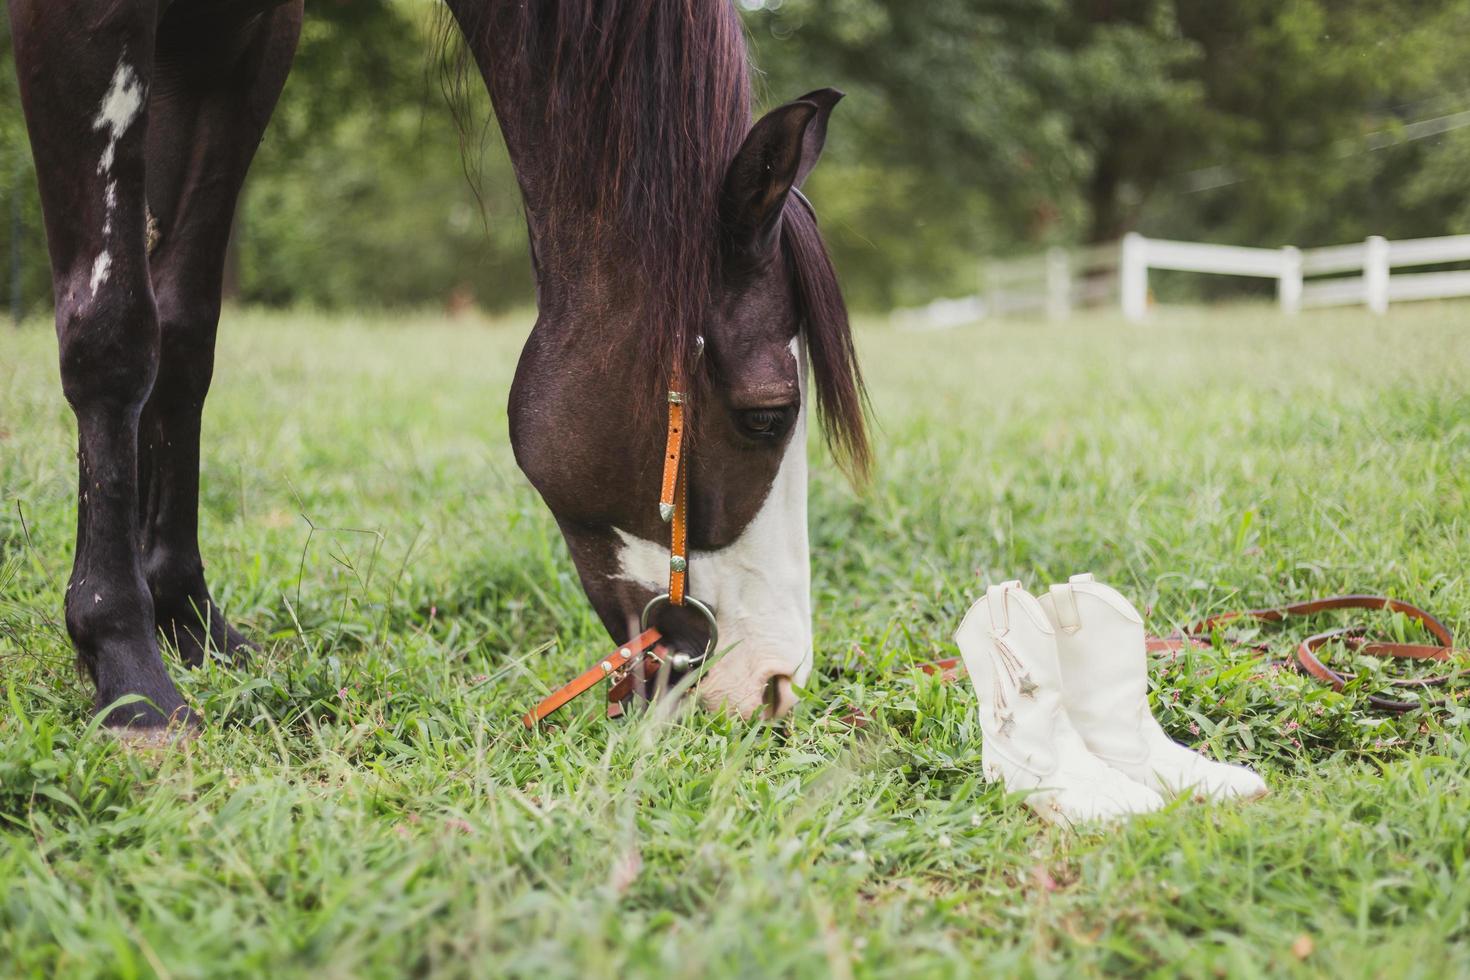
(999, 126)
(32, 287)
(359, 196)
(364, 801)
(1312, 143)
(971, 129)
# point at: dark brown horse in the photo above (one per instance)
(658, 216)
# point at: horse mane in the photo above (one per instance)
(836, 375)
(640, 105)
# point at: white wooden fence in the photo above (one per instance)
(1059, 280)
(1376, 285)
(1141, 254)
(1052, 283)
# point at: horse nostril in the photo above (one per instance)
(780, 696)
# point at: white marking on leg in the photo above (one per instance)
(118, 110)
(759, 586)
(100, 269)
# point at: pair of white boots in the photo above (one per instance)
(1063, 685)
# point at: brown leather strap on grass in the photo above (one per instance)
(1305, 656)
(590, 678)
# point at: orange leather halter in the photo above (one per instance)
(640, 659)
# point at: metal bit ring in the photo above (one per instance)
(659, 601)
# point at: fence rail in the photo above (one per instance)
(1141, 254)
(1055, 282)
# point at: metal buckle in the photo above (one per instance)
(682, 661)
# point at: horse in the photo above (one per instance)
(672, 250)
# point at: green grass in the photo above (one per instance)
(364, 801)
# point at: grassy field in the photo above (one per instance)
(364, 802)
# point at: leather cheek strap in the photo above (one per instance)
(673, 501)
(673, 448)
(679, 540)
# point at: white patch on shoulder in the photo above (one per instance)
(119, 108)
(759, 586)
(101, 266)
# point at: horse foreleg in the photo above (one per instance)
(218, 84)
(84, 69)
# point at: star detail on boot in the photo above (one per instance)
(1027, 687)
(1007, 725)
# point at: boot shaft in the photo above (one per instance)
(1104, 663)
(1009, 649)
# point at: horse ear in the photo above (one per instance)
(778, 153)
(825, 99)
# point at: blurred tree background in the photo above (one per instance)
(971, 128)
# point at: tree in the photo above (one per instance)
(1008, 124)
(971, 128)
(359, 195)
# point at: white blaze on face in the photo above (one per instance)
(759, 586)
(119, 108)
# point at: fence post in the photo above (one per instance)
(1375, 273)
(1058, 284)
(1133, 276)
(1289, 287)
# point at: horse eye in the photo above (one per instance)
(765, 423)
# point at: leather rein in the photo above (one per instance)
(1304, 657)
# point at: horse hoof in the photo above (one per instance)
(156, 739)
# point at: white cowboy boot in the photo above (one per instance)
(1010, 652)
(1104, 664)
